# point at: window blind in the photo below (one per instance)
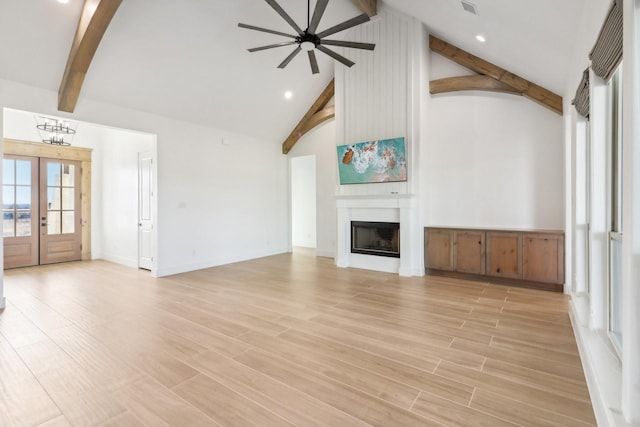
(607, 52)
(581, 100)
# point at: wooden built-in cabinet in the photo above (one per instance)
(469, 251)
(525, 258)
(504, 254)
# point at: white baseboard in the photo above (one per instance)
(325, 254)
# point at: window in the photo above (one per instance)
(615, 210)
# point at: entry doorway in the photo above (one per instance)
(303, 201)
(45, 204)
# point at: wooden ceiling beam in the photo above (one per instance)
(530, 90)
(370, 7)
(94, 20)
(318, 118)
(453, 84)
(317, 106)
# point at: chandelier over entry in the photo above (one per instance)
(54, 131)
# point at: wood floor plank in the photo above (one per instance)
(454, 414)
(228, 407)
(18, 329)
(353, 375)
(570, 407)
(152, 404)
(361, 405)
(421, 379)
(523, 359)
(298, 408)
(60, 421)
(23, 401)
(523, 413)
(288, 339)
(80, 394)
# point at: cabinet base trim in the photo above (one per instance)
(555, 287)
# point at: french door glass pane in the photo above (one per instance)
(53, 198)
(68, 198)
(8, 224)
(8, 196)
(8, 171)
(23, 197)
(53, 174)
(23, 223)
(53, 222)
(23, 172)
(68, 221)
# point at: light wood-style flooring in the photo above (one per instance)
(280, 341)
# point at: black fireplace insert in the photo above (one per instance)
(375, 238)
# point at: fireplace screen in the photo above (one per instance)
(375, 238)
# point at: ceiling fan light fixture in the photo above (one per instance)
(307, 45)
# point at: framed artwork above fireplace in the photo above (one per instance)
(382, 160)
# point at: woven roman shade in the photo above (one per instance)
(581, 101)
(607, 52)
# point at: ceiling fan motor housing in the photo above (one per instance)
(308, 41)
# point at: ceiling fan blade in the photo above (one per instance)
(290, 57)
(321, 5)
(265, 30)
(271, 46)
(313, 62)
(360, 19)
(335, 55)
(284, 15)
(355, 45)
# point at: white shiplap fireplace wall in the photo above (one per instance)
(379, 98)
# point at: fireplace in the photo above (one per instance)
(375, 238)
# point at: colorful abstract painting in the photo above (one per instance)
(374, 161)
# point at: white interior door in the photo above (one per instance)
(146, 243)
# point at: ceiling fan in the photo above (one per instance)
(309, 40)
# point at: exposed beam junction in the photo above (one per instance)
(521, 86)
(94, 20)
(313, 117)
(453, 84)
(370, 7)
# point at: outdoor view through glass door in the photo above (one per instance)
(41, 211)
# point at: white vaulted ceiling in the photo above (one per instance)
(187, 59)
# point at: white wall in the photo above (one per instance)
(303, 201)
(216, 203)
(492, 160)
(321, 143)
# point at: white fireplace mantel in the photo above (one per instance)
(392, 207)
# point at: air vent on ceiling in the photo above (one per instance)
(469, 7)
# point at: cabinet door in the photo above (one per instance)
(468, 252)
(543, 257)
(504, 254)
(439, 249)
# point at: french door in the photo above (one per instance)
(41, 211)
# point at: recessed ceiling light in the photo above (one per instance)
(63, 1)
(288, 94)
(481, 38)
